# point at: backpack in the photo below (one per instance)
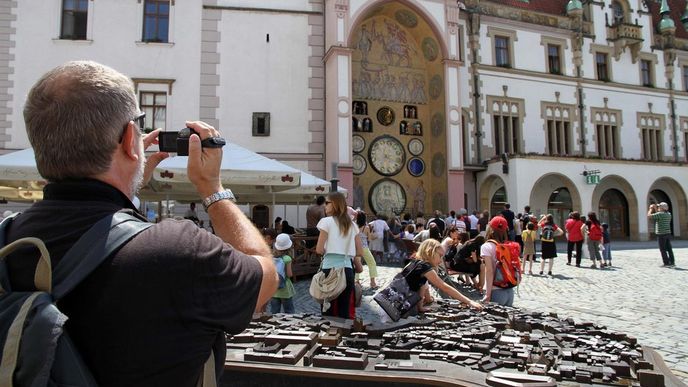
(281, 271)
(595, 232)
(508, 268)
(547, 233)
(36, 350)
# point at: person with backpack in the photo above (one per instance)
(528, 236)
(594, 232)
(283, 299)
(157, 309)
(502, 264)
(548, 246)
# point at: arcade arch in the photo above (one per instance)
(668, 190)
(616, 204)
(492, 195)
(555, 194)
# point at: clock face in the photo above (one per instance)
(387, 155)
(385, 115)
(386, 196)
(416, 166)
(357, 143)
(359, 164)
(415, 146)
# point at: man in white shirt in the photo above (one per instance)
(379, 228)
(473, 218)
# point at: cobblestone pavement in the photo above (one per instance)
(636, 296)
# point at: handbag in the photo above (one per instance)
(397, 299)
(325, 288)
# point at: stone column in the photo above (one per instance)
(455, 175)
(338, 95)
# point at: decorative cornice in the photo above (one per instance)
(526, 16)
(341, 7)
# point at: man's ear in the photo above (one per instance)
(130, 141)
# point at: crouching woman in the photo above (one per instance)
(421, 271)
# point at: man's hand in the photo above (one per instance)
(204, 163)
(153, 160)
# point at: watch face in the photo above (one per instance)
(416, 166)
(357, 143)
(385, 115)
(387, 196)
(387, 155)
(415, 147)
(359, 164)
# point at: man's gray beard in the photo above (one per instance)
(137, 180)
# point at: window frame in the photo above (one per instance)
(511, 39)
(622, 7)
(683, 122)
(152, 114)
(599, 66)
(158, 17)
(170, 23)
(565, 115)
(550, 58)
(685, 77)
(502, 52)
(651, 60)
(257, 116)
(651, 131)
(562, 46)
(507, 124)
(646, 73)
(611, 122)
(89, 23)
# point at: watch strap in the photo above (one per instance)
(216, 197)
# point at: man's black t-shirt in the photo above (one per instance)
(509, 216)
(150, 313)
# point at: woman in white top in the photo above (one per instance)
(341, 247)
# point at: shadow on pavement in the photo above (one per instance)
(561, 277)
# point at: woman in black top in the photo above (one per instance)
(467, 260)
(420, 271)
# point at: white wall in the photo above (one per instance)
(294, 5)
(116, 30)
(260, 76)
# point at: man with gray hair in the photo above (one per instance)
(154, 311)
(662, 220)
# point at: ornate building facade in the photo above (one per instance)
(414, 105)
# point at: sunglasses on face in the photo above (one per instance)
(139, 120)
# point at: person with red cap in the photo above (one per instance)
(496, 233)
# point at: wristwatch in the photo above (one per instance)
(216, 197)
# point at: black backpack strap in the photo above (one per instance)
(4, 224)
(93, 248)
(4, 275)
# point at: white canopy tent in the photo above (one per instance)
(245, 172)
(255, 179)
